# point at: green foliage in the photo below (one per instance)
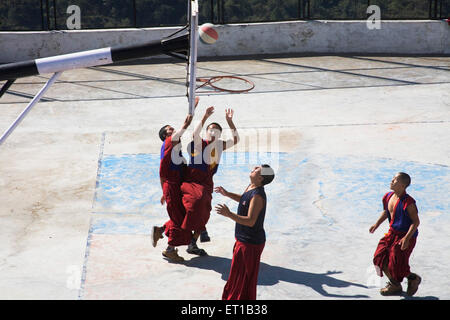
(20, 15)
(257, 10)
(28, 14)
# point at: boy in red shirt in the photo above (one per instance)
(203, 164)
(393, 250)
(171, 170)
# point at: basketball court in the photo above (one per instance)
(81, 188)
(80, 174)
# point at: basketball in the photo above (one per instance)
(207, 33)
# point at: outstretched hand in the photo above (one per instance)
(229, 114)
(209, 111)
(221, 190)
(187, 121)
(223, 210)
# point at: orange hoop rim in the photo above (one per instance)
(210, 82)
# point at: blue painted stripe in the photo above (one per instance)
(347, 186)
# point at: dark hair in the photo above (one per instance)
(163, 133)
(267, 174)
(404, 178)
(216, 124)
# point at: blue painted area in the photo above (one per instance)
(128, 183)
(361, 183)
(131, 182)
(119, 223)
(307, 188)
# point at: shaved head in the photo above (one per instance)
(404, 178)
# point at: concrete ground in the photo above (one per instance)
(80, 188)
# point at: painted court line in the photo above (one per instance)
(320, 189)
(89, 237)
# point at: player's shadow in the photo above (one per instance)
(270, 275)
(405, 297)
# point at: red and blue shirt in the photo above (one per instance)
(172, 162)
(204, 170)
(401, 220)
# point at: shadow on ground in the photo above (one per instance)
(270, 275)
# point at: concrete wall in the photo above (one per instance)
(304, 37)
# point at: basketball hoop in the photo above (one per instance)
(233, 84)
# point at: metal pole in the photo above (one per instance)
(35, 100)
(299, 10)
(54, 13)
(435, 9)
(6, 86)
(134, 13)
(221, 14)
(368, 5)
(309, 9)
(42, 16)
(193, 56)
(47, 9)
(430, 4)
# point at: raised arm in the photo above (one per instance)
(177, 135)
(198, 128)
(222, 191)
(230, 142)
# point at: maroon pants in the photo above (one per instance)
(389, 250)
(175, 234)
(243, 278)
(197, 203)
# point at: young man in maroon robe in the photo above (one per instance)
(197, 188)
(171, 170)
(393, 250)
(249, 233)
